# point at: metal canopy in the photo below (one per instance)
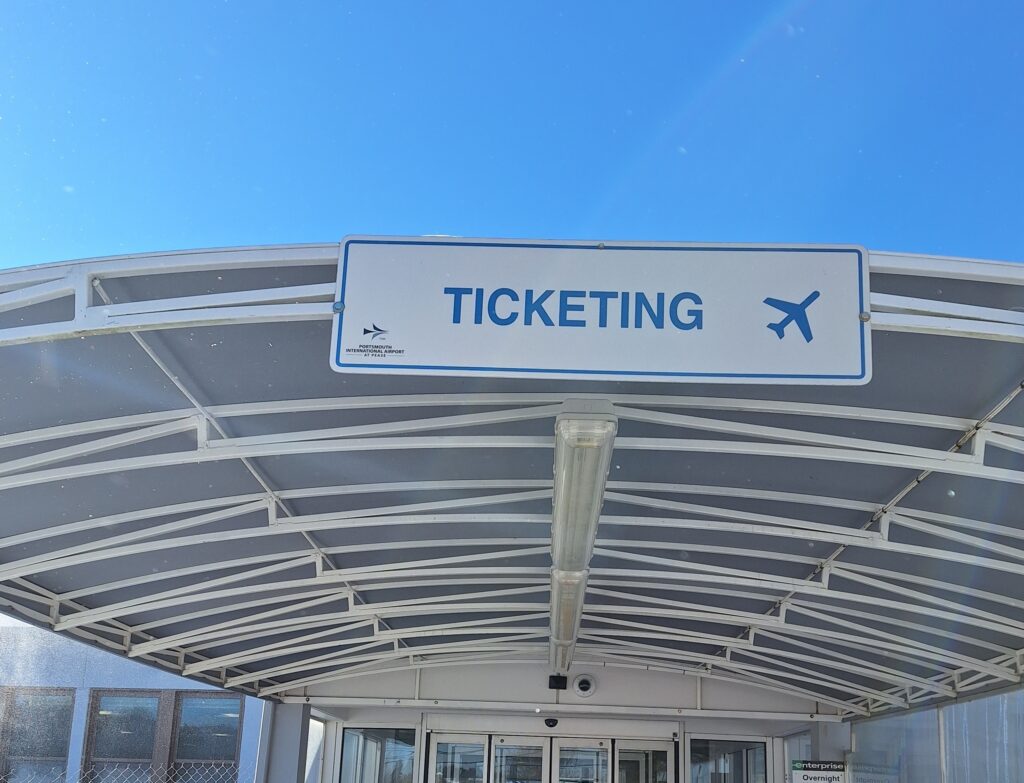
(183, 480)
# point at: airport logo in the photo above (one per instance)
(375, 331)
(378, 346)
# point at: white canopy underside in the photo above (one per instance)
(184, 481)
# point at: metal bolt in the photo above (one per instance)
(338, 307)
(865, 317)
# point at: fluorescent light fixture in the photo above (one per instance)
(584, 440)
(583, 454)
(568, 589)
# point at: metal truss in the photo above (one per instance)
(82, 283)
(861, 638)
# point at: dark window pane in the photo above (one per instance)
(207, 729)
(124, 727)
(40, 725)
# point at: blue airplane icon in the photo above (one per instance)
(794, 313)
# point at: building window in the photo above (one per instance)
(124, 728)
(35, 728)
(902, 747)
(181, 735)
(797, 748)
(206, 737)
(315, 751)
(378, 755)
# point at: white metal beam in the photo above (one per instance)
(938, 461)
(484, 707)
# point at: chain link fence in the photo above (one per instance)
(126, 773)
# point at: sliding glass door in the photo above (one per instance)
(520, 759)
(583, 760)
(711, 759)
(508, 758)
(640, 761)
(458, 758)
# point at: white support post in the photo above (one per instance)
(286, 746)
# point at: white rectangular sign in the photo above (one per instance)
(620, 311)
(818, 772)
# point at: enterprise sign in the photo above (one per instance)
(621, 311)
(817, 772)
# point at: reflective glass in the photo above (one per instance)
(518, 764)
(797, 748)
(40, 725)
(583, 765)
(756, 765)
(459, 762)
(643, 766)
(207, 729)
(984, 739)
(35, 771)
(315, 749)
(903, 748)
(378, 755)
(124, 727)
(727, 761)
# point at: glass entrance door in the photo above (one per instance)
(583, 760)
(728, 759)
(477, 758)
(644, 762)
(519, 759)
(458, 758)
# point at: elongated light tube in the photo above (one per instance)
(584, 440)
(568, 589)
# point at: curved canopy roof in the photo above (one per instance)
(183, 480)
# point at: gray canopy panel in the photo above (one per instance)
(183, 480)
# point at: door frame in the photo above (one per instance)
(668, 746)
(769, 755)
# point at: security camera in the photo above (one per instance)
(584, 685)
(551, 722)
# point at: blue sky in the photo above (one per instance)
(131, 126)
